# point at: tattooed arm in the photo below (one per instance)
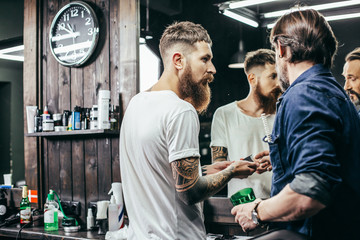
(193, 188)
(219, 154)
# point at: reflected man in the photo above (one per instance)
(352, 77)
(315, 151)
(159, 146)
(237, 128)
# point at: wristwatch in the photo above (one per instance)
(254, 214)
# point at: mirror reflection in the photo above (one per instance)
(233, 39)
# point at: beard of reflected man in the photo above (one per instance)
(268, 102)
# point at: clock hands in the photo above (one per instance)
(71, 32)
(71, 29)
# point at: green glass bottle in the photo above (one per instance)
(25, 208)
(51, 213)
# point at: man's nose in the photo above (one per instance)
(347, 85)
(212, 68)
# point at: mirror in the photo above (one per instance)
(11, 92)
(231, 84)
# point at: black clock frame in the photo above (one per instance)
(95, 35)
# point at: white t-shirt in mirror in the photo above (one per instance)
(242, 135)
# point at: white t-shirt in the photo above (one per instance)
(242, 135)
(158, 128)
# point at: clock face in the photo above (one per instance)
(74, 34)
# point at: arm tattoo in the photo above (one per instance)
(185, 173)
(219, 154)
(192, 188)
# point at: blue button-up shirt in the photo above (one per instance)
(317, 131)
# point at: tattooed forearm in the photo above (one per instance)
(191, 187)
(219, 154)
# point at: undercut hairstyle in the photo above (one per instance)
(185, 33)
(308, 35)
(353, 55)
(257, 58)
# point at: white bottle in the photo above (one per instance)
(103, 109)
(90, 219)
(113, 215)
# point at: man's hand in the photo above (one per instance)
(242, 213)
(243, 169)
(215, 167)
(263, 159)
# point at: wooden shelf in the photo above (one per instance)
(76, 133)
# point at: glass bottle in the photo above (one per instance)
(51, 213)
(25, 207)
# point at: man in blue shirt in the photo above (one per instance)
(315, 146)
(352, 77)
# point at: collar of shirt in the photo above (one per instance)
(306, 76)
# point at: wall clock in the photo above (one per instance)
(74, 34)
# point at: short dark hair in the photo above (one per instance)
(308, 35)
(353, 55)
(260, 57)
(186, 32)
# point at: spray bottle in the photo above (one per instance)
(113, 210)
(51, 213)
(116, 189)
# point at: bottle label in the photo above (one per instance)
(25, 215)
(49, 216)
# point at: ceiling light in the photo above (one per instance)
(246, 3)
(238, 59)
(315, 7)
(12, 49)
(342, 16)
(241, 18)
(10, 53)
(236, 65)
(330, 18)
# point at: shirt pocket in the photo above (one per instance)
(278, 169)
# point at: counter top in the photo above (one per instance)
(39, 233)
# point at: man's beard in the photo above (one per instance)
(356, 100)
(268, 103)
(196, 93)
(283, 76)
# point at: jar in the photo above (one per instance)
(57, 117)
(48, 125)
(94, 112)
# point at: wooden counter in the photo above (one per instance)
(39, 233)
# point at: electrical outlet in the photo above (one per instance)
(71, 208)
(93, 206)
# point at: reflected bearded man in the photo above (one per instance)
(237, 129)
(314, 150)
(159, 148)
(352, 77)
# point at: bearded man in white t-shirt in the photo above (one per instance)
(238, 129)
(159, 148)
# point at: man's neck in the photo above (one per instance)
(296, 69)
(249, 106)
(167, 82)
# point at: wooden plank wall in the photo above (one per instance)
(83, 169)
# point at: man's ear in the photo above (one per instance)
(178, 60)
(251, 79)
(282, 50)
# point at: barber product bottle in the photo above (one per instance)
(51, 213)
(25, 208)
